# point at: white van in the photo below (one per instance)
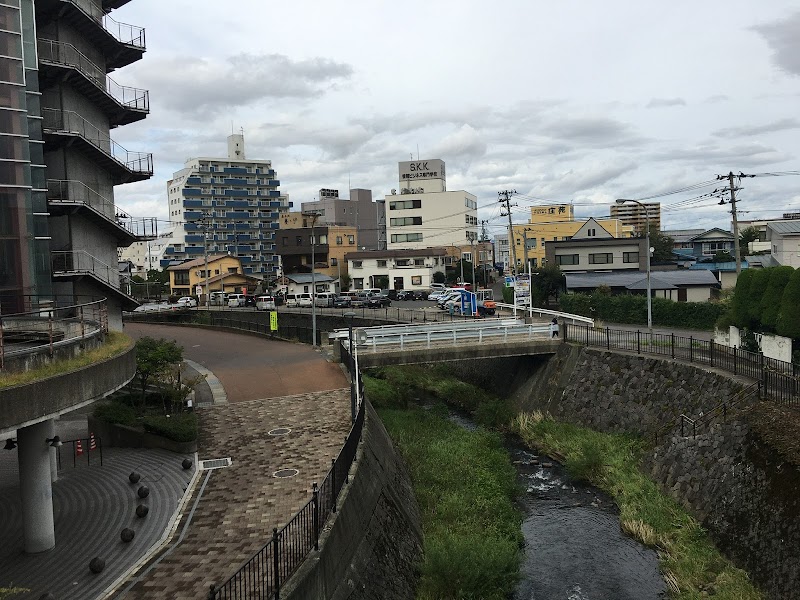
(291, 300)
(304, 300)
(324, 299)
(265, 303)
(235, 300)
(219, 298)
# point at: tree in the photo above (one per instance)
(723, 256)
(771, 300)
(662, 244)
(788, 321)
(548, 282)
(439, 277)
(741, 292)
(153, 359)
(758, 286)
(345, 281)
(747, 235)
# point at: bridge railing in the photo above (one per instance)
(780, 380)
(400, 337)
(546, 313)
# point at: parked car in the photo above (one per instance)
(249, 300)
(324, 299)
(379, 301)
(405, 295)
(304, 300)
(235, 300)
(265, 303)
(360, 300)
(186, 302)
(291, 300)
(219, 298)
(341, 302)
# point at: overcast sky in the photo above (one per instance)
(569, 101)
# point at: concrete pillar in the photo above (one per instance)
(53, 456)
(35, 487)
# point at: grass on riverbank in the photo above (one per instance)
(691, 564)
(114, 344)
(465, 486)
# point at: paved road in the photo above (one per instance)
(250, 367)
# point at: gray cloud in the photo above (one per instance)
(199, 87)
(592, 131)
(717, 98)
(780, 125)
(721, 158)
(782, 37)
(664, 102)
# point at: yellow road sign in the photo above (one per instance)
(273, 321)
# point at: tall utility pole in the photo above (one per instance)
(505, 198)
(313, 216)
(738, 251)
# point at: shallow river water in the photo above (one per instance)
(574, 548)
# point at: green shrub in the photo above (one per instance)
(382, 393)
(508, 295)
(788, 321)
(758, 286)
(180, 427)
(771, 300)
(116, 413)
(494, 413)
(586, 463)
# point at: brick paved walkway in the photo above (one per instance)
(241, 504)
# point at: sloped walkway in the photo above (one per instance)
(236, 508)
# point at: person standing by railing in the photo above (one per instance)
(554, 328)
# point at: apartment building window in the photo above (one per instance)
(357, 264)
(334, 261)
(403, 221)
(567, 259)
(630, 257)
(181, 277)
(420, 262)
(466, 256)
(351, 239)
(404, 204)
(381, 263)
(401, 262)
(338, 240)
(533, 263)
(406, 237)
(601, 258)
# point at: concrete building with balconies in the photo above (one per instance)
(227, 205)
(330, 244)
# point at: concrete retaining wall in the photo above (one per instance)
(45, 398)
(370, 549)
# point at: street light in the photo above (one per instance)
(351, 367)
(647, 237)
(313, 216)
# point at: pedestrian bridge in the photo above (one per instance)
(425, 343)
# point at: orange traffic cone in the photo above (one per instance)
(92, 442)
(78, 448)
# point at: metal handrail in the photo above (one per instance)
(131, 35)
(71, 122)
(80, 261)
(66, 54)
(20, 332)
(68, 190)
(546, 312)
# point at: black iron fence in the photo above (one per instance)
(92, 445)
(779, 380)
(267, 571)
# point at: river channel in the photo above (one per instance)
(574, 548)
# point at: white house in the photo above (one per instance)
(592, 248)
(300, 283)
(784, 237)
(405, 269)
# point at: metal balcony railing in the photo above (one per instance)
(71, 122)
(65, 190)
(68, 55)
(131, 35)
(80, 261)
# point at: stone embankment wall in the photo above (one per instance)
(370, 549)
(737, 485)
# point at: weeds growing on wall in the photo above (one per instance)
(690, 563)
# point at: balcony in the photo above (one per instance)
(78, 264)
(112, 4)
(63, 128)
(69, 197)
(120, 43)
(59, 61)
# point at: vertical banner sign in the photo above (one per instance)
(198, 290)
(522, 290)
(273, 321)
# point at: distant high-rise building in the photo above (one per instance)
(358, 211)
(630, 213)
(226, 205)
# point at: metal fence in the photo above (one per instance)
(49, 327)
(262, 576)
(780, 380)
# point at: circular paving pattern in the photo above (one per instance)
(279, 431)
(284, 473)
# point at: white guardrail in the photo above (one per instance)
(398, 337)
(546, 313)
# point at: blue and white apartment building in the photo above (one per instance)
(231, 205)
